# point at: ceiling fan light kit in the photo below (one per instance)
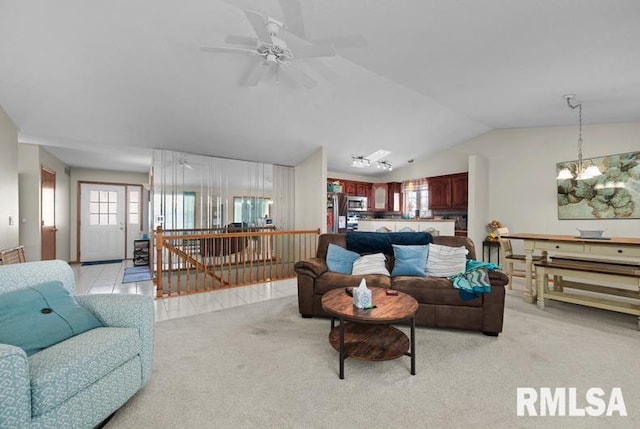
(273, 50)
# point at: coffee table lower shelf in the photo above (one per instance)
(370, 342)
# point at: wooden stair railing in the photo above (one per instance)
(227, 259)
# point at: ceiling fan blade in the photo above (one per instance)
(300, 76)
(292, 12)
(241, 40)
(348, 41)
(255, 74)
(321, 68)
(317, 50)
(229, 50)
(257, 22)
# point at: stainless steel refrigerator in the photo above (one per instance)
(337, 213)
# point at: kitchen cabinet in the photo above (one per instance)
(394, 197)
(353, 188)
(349, 187)
(448, 192)
(379, 196)
(459, 191)
(362, 189)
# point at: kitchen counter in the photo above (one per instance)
(408, 220)
(443, 226)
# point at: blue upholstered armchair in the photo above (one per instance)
(80, 381)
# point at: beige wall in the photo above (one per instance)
(9, 232)
(99, 176)
(311, 192)
(62, 202)
(29, 191)
(520, 183)
(31, 158)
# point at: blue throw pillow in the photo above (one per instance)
(340, 260)
(40, 316)
(409, 260)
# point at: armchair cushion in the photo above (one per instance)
(39, 316)
(61, 371)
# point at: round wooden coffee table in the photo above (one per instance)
(368, 334)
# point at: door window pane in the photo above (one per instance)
(103, 208)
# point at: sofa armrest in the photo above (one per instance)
(126, 311)
(498, 278)
(15, 388)
(313, 267)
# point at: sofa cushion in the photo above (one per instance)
(329, 281)
(445, 261)
(409, 260)
(370, 264)
(380, 242)
(61, 371)
(42, 315)
(433, 290)
(340, 260)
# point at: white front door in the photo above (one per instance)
(102, 222)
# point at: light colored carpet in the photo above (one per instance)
(263, 366)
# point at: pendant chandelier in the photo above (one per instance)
(582, 172)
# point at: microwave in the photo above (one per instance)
(357, 204)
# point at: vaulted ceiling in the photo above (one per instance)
(100, 83)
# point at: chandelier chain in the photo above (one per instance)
(579, 137)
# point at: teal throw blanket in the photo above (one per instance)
(475, 280)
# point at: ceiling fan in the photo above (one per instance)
(273, 51)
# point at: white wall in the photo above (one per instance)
(354, 177)
(478, 201)
(444, 162)
(522, 175)
(62, 202)
(98, 176)
(9, 234)
(30, 160)
(29, 192)
(311, 192)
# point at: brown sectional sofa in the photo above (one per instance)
(440, 305)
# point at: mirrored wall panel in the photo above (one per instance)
(201, 192)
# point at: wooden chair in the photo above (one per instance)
(12, 256)
(509, 259)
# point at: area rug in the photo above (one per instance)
(108, 261)
(136, 274)
(263, 366)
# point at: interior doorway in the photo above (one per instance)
(47, 214)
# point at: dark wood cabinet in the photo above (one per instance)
(349, 187)
(448, 192)
(380, 195)
(459, 191)
(362, 189)
(439, 193)
(394, 197)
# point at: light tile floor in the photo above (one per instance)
(107, 278)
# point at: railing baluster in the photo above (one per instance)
(200, 258)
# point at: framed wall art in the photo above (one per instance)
(615, 194)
